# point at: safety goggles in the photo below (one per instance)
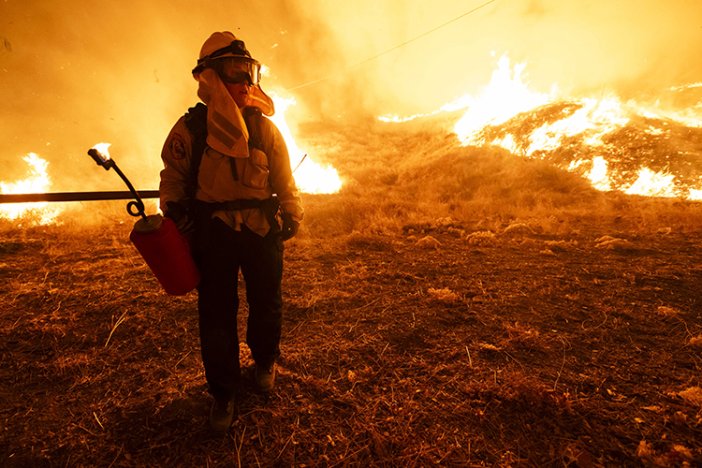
(238, 70)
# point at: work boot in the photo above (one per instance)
(221, 414)
(265, 377)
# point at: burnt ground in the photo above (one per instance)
(440, 344)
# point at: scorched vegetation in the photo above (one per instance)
(450, 306)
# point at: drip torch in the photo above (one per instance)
(103, 159)
(164, 249)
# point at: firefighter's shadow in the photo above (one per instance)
(163, 413)
(179, 422)
(187, 410)
(159, 423)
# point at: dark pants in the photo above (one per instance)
(261, 262)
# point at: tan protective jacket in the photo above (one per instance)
(258, 176)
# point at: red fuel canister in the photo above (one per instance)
(167, 253)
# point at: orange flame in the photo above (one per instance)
(37, 181)
(310, 176)
(504, 97)
(103, 150)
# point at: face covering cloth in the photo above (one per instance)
(226, 129)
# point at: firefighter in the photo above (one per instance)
(228, 185)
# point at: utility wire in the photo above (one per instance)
(391, 49)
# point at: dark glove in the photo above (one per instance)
(289, 228)
(179, 214)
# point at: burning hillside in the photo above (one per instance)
(621, 146)
(617, 146)
(641, 156)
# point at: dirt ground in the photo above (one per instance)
(439, 345)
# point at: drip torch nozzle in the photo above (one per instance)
(101, 159)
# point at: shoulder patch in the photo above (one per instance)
(176, 146)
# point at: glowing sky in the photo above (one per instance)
(73, 73)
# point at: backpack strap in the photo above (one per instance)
(254, 118)
(196, 121)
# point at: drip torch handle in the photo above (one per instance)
(135, 207)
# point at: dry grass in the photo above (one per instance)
(425, 325)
